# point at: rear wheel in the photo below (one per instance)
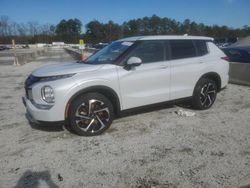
(91, 114)
(204, 94)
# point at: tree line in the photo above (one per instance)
(70, 31)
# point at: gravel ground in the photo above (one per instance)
(157, 148)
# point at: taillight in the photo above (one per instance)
(225, 58)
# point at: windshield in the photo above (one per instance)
(109, 54)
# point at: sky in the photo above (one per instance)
(233, 13)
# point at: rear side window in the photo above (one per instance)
(182, 49)
(149, 51)
(201, 47)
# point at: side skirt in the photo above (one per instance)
(152, 107)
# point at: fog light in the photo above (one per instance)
(48, 94)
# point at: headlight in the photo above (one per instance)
(57, 77)
(48, 94)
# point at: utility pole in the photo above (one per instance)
(82, 47)
(15, 57)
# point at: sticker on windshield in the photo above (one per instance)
(127, 43)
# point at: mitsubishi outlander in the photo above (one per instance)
(128, 73)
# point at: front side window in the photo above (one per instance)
(182, 49)
(110, 53)
(149, 51)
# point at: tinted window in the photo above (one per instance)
(109, 54)
(201, 47)
(182, 49)
(149, 51)
(234, 53)
(237, 53)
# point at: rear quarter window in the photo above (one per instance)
(201, 47)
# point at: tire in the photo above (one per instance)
(204, 94)
(91, 114)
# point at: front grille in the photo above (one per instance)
(26, 93)
(27, 85)
(29, 94)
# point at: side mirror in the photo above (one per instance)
(133, 62)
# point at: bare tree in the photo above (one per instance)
(33, 28)
(4, 24)
(22, 29)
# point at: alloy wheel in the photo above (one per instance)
(208, 95)
(92, 116)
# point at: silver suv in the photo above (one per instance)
(126, 74)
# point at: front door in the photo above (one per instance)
(148, 83)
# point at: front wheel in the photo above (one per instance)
(91, 114)
(204, 94)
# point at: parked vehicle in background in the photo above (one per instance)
(238, 54)
(128, 73)
(224, 45)
(2, 47)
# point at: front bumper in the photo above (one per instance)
(35, 115)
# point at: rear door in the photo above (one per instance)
(148, 83)
(186, 65)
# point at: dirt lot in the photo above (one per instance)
(149, 149)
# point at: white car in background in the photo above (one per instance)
(126, 74)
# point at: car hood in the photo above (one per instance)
(64, 68)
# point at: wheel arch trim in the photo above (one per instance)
(211, 75)
(104, 90)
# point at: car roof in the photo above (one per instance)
(166, 37)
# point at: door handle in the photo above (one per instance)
(164, 67)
